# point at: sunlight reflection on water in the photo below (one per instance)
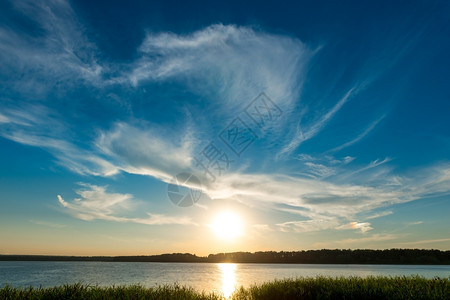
(228, 272)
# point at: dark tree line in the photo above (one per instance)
(324, 256)
(173, 257)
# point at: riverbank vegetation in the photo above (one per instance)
(406, 287)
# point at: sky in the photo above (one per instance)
(287, 125)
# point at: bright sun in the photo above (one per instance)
(227, 225)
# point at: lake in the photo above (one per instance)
(201, 276)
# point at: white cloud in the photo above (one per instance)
(304, 157)
(95, 203)
(379, 215)
(4, 119)
(316, 195)
(415, 223)
(364, 227)
(147, 151)
(320, 170)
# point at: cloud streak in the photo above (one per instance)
(312, 130)
(379, 215)
(359, 137)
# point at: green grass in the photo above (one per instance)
(411, 287)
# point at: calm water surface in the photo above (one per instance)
(201, 276)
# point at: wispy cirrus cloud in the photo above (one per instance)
(38, 126)
(235, 63)
(60, 53)
(360, 136)
(319, 170)
(314, 128)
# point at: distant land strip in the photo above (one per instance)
(324, 256)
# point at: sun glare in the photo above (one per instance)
(227, 225)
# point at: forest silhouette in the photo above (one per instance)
(324, 256)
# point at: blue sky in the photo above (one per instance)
(103, 103)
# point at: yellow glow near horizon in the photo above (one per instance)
(228, 279)
(227, 225)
